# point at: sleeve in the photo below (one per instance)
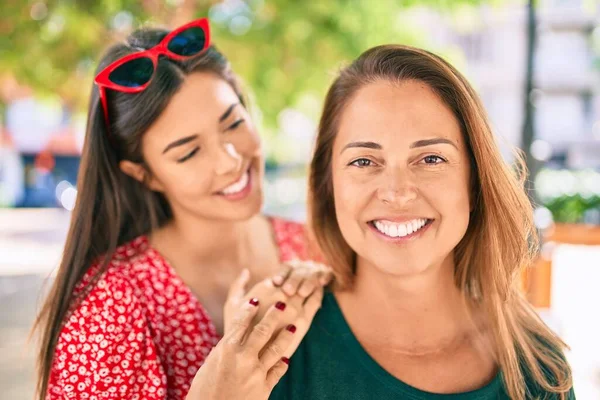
(105, 350)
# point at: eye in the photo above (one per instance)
(235, 125)
(362, 163)
(189, 155)
(433, 159)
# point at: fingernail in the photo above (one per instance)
(280, 305)
(288, 288)
(278, 280)
(254, 301)
(291, 328)
(285, 360)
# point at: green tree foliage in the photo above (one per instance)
(285, 50)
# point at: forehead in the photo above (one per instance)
(407, 110)
(194, 109)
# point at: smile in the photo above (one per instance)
(400, 229)
(238, 189)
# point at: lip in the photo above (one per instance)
(399, 219)
(246, 169)
(404, 239)
(244, 192)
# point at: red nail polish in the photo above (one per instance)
(291, 328)
(254, 301)
(280, 305)
(285, 360)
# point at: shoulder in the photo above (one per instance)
(106, 340)
(286, 227)
(110, 300)
(131, 266)
(108, 306)
(294, 240)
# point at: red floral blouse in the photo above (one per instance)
(140, 333)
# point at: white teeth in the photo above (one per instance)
(237, 186)
(393, 229)
(402, 230)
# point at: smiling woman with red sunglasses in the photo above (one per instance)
(167, 216)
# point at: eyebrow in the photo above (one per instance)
(430, 142)
(179, 142)
(368, 145)
(227, 112)
(418, 143)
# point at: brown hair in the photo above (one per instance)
(113, 208)
(500, 241)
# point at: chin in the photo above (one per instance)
(402, 269)
(254, 209)
(246, 211)
(397, 265)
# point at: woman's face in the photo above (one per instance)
(204, 152)
(401, 178)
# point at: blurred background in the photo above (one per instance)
(536, 67)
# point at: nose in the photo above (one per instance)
(229, 159)
(397, 188)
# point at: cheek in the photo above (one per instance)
(188, 180)
(350, 201)
(450, 198)
(247, 141)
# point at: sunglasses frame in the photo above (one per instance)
(103, 81)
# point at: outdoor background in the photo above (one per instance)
(536, 68)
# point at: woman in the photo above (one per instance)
(168, 214)
(427, 230)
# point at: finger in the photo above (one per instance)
(326, 277)
(313, 304)
(282, 275)
(263, 331)
(309, 285)
(237, 290)
(241, 322)
(309, 308)
(293, 281)
(276, 373)
(277, 348)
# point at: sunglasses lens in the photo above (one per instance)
(133, 73)
(188, 42)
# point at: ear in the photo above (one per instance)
(141, 174)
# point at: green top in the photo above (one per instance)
(331, 364)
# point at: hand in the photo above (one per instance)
(295, 277)
(302, 277)
(249, 361)
(269, 295)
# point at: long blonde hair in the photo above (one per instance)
(500, 241)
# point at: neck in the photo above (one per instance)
(206, 242)
(421, 313)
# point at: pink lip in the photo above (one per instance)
(242, 194)
(404, 239)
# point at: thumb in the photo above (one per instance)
(238, 288)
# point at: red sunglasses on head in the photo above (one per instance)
(134, 72)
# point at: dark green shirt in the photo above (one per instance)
(331, 364)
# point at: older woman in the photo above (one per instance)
(427, 229)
